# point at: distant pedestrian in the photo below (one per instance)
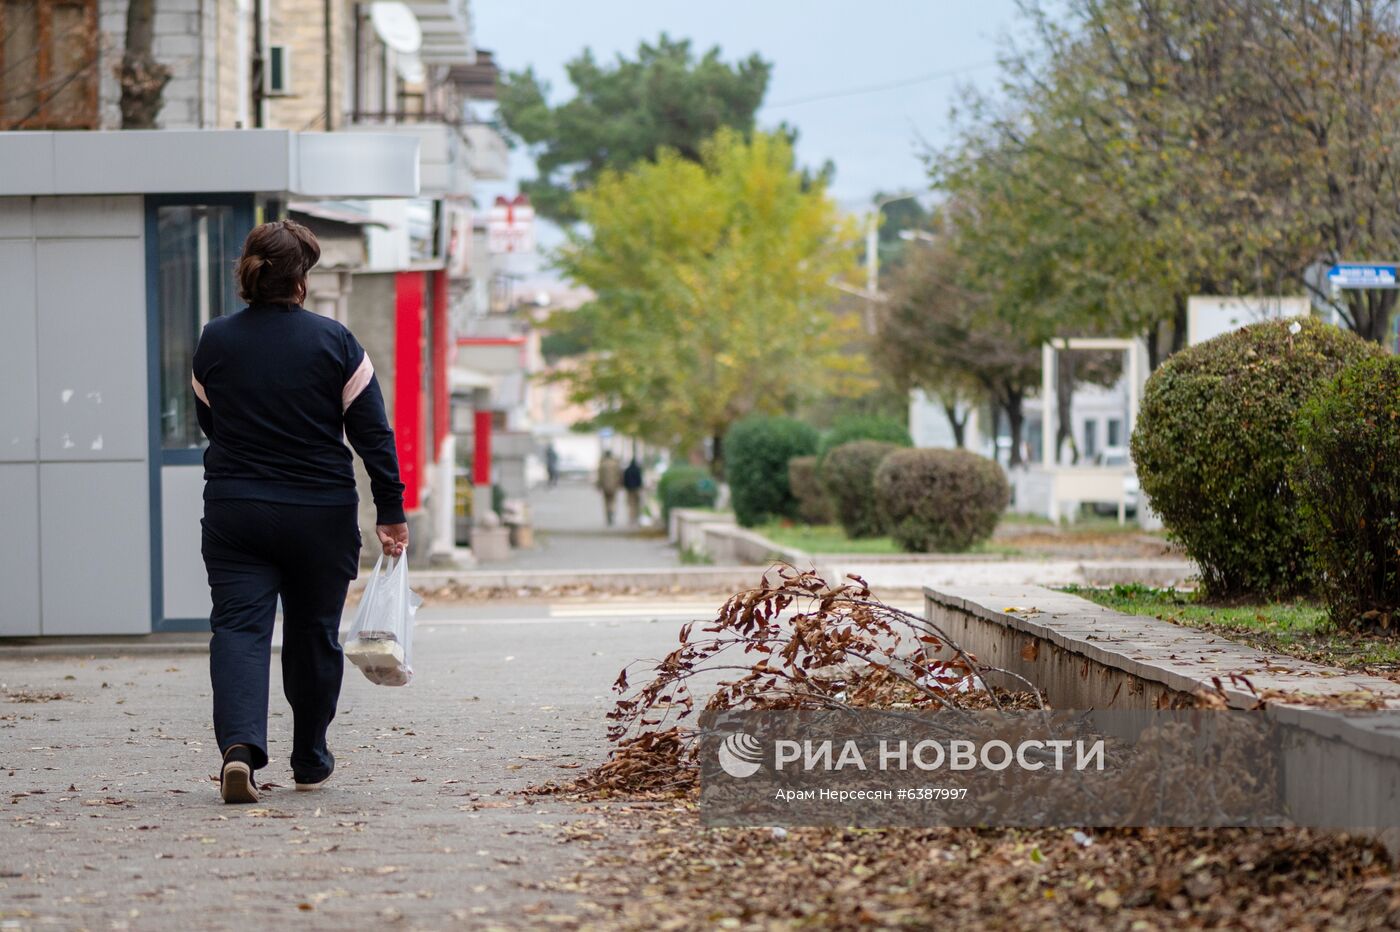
(551, 464)
(609, 481)
(632, 481)
(277, 390)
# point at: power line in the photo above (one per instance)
(887, 86)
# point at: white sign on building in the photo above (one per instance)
(510, 227)
(1208, 317)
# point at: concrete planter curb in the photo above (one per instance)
(1167, 658)
(715, 534)
(1085, 656)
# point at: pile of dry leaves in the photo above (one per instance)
(687, 877)
(794, 642)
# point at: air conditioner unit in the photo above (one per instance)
(279, 70)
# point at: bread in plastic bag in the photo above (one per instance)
(380, 642)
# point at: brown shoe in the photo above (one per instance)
(236, 778)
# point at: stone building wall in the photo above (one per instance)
(233, 35)
(300, 25)
(207, 43)
(372, 320)
(188, 42)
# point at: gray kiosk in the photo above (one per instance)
(115, 249)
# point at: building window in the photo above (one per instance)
(1091, 439)
(48, 64)
(1115, 432)
(196, 247)
(1033, 441)
(279, 70)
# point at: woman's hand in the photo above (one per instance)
(393, 538)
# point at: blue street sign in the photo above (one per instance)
(1362, 275)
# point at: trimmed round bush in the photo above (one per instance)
(940, 500)
(686, 486)
(756, 454)
(813, 507)
(1346, 476)
(1213, 439)
(848, 475)
(863, 427)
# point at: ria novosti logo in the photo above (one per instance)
(740, 755)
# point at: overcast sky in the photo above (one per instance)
(819, 48)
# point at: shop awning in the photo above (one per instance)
(337, 212)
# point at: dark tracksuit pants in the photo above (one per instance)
(254, 552)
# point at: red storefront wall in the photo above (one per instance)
(419, 443)
(409, 288)
(443, 344)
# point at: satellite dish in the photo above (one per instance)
(396, 25)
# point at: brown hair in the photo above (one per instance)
(276, 257)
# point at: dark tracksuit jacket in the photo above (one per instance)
(278, 391)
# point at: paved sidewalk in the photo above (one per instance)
(110, 818)
(571, 534)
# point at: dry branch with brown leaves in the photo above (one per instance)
(795, 642)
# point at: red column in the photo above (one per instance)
(481, 449)
(442, 384)
(408, 383)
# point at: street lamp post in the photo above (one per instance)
(872, 256)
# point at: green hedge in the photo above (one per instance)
(756, 454)
(1346, 476)
(863, 427)
(813, 507)
(848, 475)
(1212, 444)
(686, 486)
(940, 500)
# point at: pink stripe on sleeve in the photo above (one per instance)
(359, 380)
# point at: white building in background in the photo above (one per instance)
(1091, 464)
(1208, 317)
(929, 425)
(1102, 416)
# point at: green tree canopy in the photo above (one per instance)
(713, 296)
(665, 98)
(1099, 198)
(1142, 151)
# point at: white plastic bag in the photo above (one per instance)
(380, 642)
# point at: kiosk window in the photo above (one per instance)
(197, 246)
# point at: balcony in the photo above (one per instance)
(478, 80)
(443, 167)
(447, 31)
(452, 152)
(488, 156)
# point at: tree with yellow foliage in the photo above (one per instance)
(713, 297)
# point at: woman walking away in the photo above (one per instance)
(278, 388)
